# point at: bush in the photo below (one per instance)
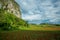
(8, 21)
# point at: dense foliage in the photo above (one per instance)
(8, 21)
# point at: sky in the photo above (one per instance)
(40, 11)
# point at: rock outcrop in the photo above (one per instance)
(10, 6)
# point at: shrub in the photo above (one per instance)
(8, 21)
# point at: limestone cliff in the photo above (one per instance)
(10, 6)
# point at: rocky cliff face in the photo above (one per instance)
(10, 6)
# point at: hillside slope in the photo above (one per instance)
(8, 21)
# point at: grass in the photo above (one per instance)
(41, 27)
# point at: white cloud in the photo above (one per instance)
(32, 17)
(41, 9)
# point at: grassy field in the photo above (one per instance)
(41, 27)
(29, 35)
(32, 32)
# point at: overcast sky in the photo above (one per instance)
(39, 11)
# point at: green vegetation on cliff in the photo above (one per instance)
(8, 21)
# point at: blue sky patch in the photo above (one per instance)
(40, 11)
